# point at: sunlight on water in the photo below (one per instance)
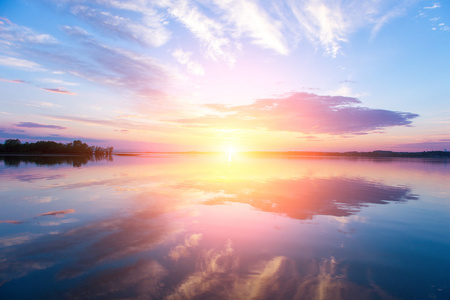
(201, 226)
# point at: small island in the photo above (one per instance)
(77, 147)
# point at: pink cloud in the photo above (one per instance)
(12, 80)
(305, 113)
(59, 91)
(57, 213)
(11, 222)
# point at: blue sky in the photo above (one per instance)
(204, 75)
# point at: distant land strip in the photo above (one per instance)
(377, 153)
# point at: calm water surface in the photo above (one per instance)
(204, 227)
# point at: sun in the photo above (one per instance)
(230, 151)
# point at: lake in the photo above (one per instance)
(172, 226)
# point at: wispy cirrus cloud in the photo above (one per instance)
(117, 67)
(19, 63)
(231, 22)
(221, 36)
(149, 31)
(100, 63)
(248, 19)
(304, 113)
(11, 33)
(210, 32)
(130, 124)
(37, 125)
(15, 40)
(323, 23)
(42, 104)
(222, 28)
(329, 24)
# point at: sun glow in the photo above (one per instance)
(231, 152)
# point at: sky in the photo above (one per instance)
(207, 75)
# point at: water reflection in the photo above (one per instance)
(303, 198)
(186, 229)
(75, 161)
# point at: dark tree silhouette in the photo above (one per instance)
(49, 147)
(12, 145)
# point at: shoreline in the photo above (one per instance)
(373, 154)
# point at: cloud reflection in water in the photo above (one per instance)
(303, 198)
(160, 246)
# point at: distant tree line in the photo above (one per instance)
(50, 147)
(375, 154)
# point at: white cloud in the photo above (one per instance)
(58, 81)
(237, 18)
(19, 63)
(208, 31)
(149, 31)
(43, 104)
(223, 26)
(384, 19)
(330, 23)
(15, 33)
(435, 5)
(248, 18)
(184, 58)
(323, 23)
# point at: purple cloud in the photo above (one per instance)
(36, 125)
(305, 113)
